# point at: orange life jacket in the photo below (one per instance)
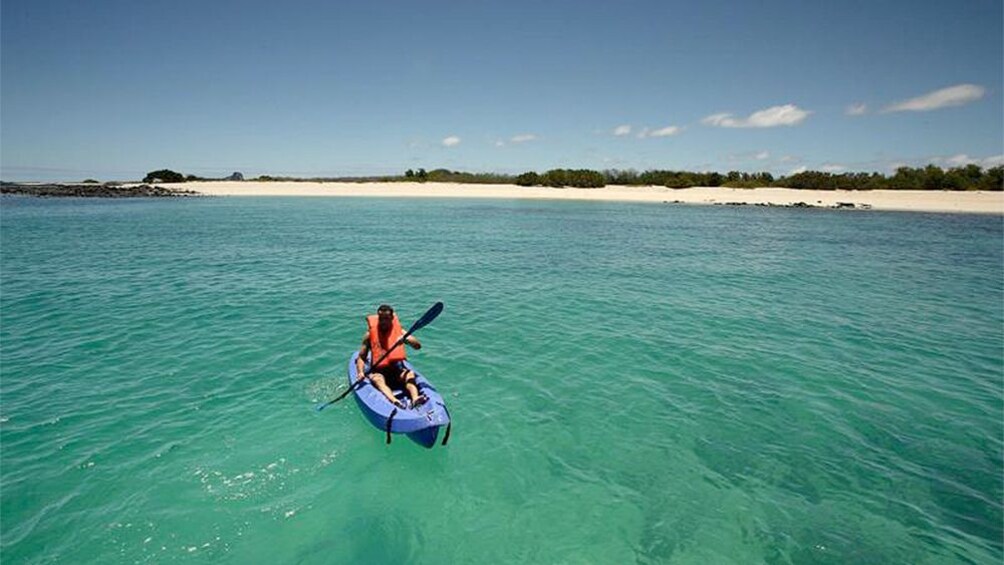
(379, 346)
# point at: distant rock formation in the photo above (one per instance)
(819, 204)
(235, 176)
(109, 190)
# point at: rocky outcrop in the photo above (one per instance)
(819, 204)
(92, 191)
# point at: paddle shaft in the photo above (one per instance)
(399, 342)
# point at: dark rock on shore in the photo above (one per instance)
(92, 191)
(819, 204)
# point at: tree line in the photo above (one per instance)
(169, 176)
(931, 177)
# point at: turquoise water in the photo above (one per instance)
(629, 383)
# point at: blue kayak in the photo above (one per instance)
(420, 424)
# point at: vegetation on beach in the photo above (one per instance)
(931, 177)
(580, 178)
(164, 175)
(446, 175)
(167, 175)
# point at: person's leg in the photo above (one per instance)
(412, 389)
(380, 383)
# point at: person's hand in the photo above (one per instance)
(360, 374)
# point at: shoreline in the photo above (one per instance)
(970, 202)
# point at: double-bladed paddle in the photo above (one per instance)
(419, 324)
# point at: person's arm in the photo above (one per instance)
(413, 341)
(364, 351)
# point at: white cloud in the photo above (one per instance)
(994, 161)
(788, 159)
(829, 168)
(665, 132)
(521, 138)
(748, 156)
(623, 130)
(451, 141)
(961, 160)
(795, 171)
(957, 95)
(717, 119)
(787, 115)
(660, 132)
(856, 110)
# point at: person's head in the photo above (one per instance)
(385, 316)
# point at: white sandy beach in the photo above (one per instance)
(910, 200)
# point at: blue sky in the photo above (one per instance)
(112, 90)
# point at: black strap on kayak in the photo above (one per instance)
(390, 421)
(449, 425)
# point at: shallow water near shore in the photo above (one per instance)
(628, 383)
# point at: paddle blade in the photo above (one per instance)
(426, 318)
(355, 386)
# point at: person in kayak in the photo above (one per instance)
(382, 331)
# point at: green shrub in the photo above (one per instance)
(164, 175)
